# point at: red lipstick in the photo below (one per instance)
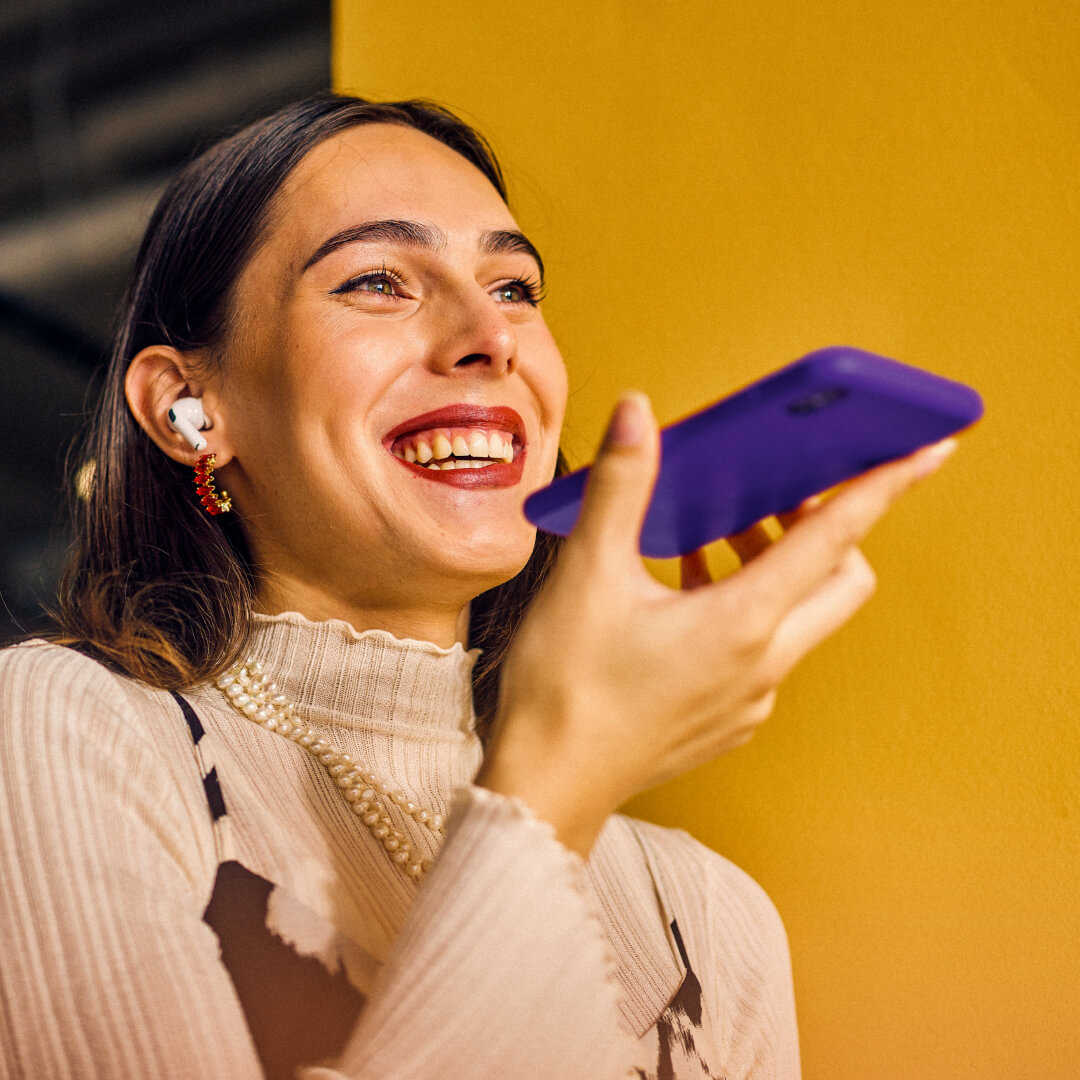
(483, 417)
(480, 416)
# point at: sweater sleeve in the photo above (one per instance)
(501, 970)
(108, 970)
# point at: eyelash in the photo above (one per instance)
(384, 273)
(531, 287)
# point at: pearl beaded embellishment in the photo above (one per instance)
(252, 693)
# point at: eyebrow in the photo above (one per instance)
(419, 235)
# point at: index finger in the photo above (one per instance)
(799, 561)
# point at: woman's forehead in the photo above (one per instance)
(386, 171)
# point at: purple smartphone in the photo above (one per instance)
(823, 419)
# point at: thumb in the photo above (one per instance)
(621, 480)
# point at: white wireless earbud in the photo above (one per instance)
(186, 416)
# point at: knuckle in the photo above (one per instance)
(844, 527)
(753, 716)
(747, 618)
(742, 738)
(752, 634)
(764, 706)
(762, 685)
(864, 580)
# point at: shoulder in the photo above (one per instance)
(59, 691)
(99, 780)
(40, 668)
(733, 941)
(50, 669)
(74, 733)
(704, 882)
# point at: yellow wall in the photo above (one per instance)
(719, 188)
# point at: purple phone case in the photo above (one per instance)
(823, 419)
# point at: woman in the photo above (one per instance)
(263, 874)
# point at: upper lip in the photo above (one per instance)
(489, 417)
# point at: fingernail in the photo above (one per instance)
(933, 457)
(629, 422)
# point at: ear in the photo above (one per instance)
(156, 379)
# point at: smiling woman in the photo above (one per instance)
(129, 594)
(320, 776)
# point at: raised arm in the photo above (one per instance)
(616, 682)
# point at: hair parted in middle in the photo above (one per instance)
(154, 586)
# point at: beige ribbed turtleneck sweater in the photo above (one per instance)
(140, 936)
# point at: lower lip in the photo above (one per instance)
(491, 476)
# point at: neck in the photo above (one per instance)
(443, 626)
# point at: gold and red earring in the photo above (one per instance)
(213, 503)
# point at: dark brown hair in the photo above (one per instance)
(154, 586)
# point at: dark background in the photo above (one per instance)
(100, 102)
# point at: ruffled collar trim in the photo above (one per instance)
(349, 632)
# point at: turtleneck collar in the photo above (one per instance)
(338, 675)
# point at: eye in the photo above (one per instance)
(519, 292)
(376, 283)
(381, 285)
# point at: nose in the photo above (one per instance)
(476, 335)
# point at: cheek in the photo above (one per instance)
(549, 379)
(310, 377)
(560, 391)
(265, 408)
(552, 391)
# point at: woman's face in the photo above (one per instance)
(387, 323)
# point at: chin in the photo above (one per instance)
(483, 567)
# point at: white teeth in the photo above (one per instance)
(472, 449)
(501, 447)
(459, 463)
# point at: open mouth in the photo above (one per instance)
(467, 445)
